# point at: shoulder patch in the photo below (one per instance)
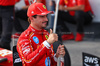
(35, 39)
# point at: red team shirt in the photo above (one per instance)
(12, 2)
(71, 3)
(27, 1)
(7, 2)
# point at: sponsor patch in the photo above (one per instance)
(24, 40)
(35, 39)
(23, 48)
(26, 51)
(25, 44)
(47, 61)
(17, 60)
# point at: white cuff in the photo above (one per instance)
(45, 43)
(55, 58)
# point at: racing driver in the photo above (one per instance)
(35, 45)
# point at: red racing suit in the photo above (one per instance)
(34, 50)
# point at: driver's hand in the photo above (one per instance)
(52, 37)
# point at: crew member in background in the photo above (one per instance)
(35, 45)
(77, 12)
(7, 16)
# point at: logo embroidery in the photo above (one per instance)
(47, 62)
(35, 39)
(46, 36)
(44, 6)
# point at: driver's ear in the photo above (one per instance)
(31, 18)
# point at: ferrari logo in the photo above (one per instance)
(46, 36)
(44, 6)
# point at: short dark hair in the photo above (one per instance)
(30, 20)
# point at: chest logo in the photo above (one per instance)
(35, 39)
(46, 36)
(47, 62)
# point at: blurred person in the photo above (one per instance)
(7, 16)
(51, 16)
(50, 7)
(77, 12)
(21, 13)
(35, 44)
(0, 27)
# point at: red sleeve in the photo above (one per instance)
(26, 52)
(81, 2)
